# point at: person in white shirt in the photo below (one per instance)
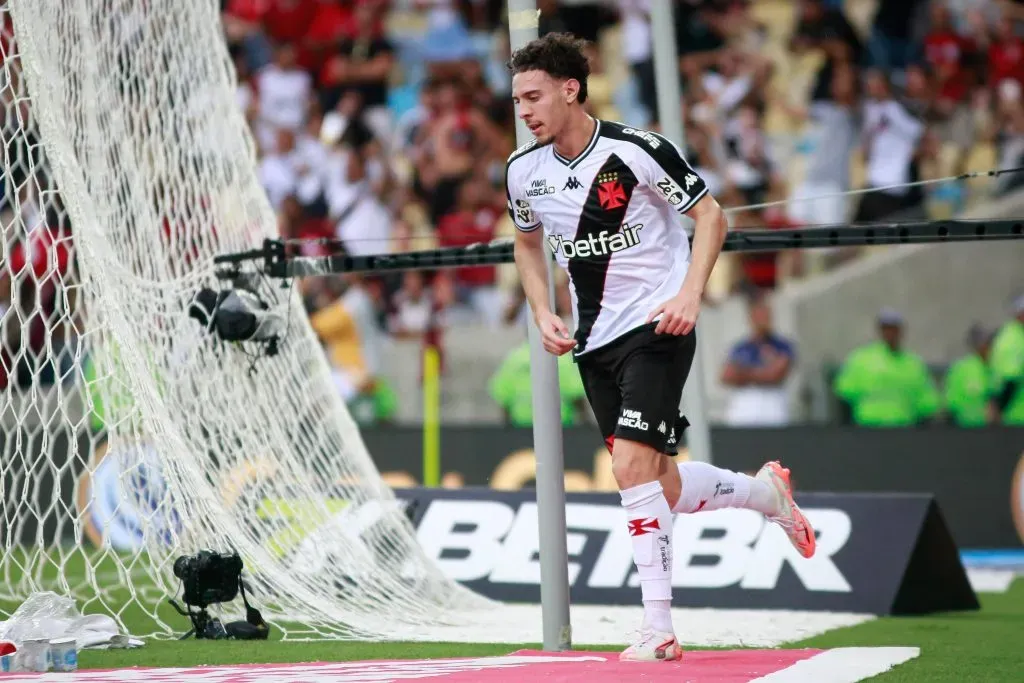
(310, 159)
(818, 199)
(890, 137)
(609, 200)
(355, 178)
(415, 310)
(283, 89)
(278, 170)
(636, 50)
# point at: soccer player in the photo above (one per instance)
(605, 196)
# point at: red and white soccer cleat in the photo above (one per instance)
(789, 517)
(653, 646)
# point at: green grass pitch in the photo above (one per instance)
(987, 645)
(974, 646)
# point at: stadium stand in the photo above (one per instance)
(385, 124)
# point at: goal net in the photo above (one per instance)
(129, 437)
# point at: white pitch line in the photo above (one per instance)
(843, 665)
(990, 580)
(614, 625)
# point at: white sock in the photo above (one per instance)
(658, 615)
(650, 529)
(706, 487)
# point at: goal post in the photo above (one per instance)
(556, 626)
(128, 437)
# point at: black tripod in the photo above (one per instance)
(203, 625)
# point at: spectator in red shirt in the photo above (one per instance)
(1005, 54)
(288, 21)
(763, 270)
(946, 52)
(35, 285)
(332, 23)
(244, 16)
(474, 221)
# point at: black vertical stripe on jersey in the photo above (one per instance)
(588, 273)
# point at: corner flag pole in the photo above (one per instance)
(523, 17)
(670, 115)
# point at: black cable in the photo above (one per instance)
(502, 251)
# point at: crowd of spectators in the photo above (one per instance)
(375, 137)
(929, 89)
(384, 125)
(383, 145)
(387, 143)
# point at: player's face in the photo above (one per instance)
(543, 103)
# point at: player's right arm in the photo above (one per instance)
(530, 262)
(529, 256)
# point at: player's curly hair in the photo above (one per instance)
(560, 55)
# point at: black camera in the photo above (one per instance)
(209, 578)
(239, 314)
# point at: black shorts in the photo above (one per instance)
(635, 385)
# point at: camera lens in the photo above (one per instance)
(181, 567)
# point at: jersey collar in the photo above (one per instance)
(573, 163)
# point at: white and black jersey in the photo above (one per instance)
(610, 216)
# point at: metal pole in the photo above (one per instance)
(670, 116)
(547, 418)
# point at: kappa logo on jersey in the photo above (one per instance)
(633, 418)
(609, 191)
(650, 138)
(604, 243)
(539, 188)
(572, 183)
(690, 179)
(670, 191)
(642, 527)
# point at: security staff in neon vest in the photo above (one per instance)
(969, 383)
(884, 385)
(511, 387)
(1007, 363)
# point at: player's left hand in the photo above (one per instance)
(678, 314)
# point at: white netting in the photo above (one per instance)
(129, 438)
